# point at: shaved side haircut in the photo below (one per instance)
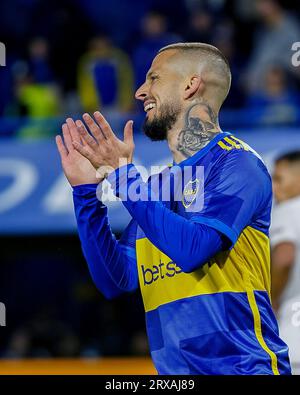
(214, 66)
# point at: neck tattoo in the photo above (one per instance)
(198, 129)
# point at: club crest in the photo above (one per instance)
(190, 192)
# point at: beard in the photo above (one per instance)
(157, 129)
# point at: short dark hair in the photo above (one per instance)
(292, 157)
(213, 58)
(201, 47)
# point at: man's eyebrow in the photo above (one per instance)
(150, 74)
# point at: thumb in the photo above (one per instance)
(128, 133)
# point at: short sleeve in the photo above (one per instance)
(282, 229)
(236, 192)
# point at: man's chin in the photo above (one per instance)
(150, 116)
(153, 131)
(154, 137)
(156, 126)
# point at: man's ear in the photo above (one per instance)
(194, 85)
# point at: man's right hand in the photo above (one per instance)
(77, 168)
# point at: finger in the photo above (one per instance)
(73, 129)
(84, 134)
(81, 138)
(94, 127)
(128, 133)
(67, 137)
(61, 147)
(104, 125)
(84, 151)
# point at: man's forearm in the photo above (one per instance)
(282, 261)
(112, 266)
(279, 280)
(189, 244)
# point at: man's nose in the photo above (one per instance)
(141, 93)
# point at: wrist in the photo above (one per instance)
(122, 162)
(121, 178)
(87, 195)
(84, 189)
(104, 171)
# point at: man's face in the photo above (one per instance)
(286, 180)
(161, 97)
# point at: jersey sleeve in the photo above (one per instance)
(112, 263)
(128, 239)
(235, 193)
(282, 229)
(188, 244)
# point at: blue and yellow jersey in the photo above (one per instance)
(217, 319)
(204, 315)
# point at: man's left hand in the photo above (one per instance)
(101, 146)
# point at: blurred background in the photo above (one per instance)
(67, 57)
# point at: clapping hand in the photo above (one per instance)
(101, 146)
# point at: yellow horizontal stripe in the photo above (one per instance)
(160, 285)
(162, 282)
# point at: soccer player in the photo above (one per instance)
(285, 243)
(203, 269)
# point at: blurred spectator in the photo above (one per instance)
(118, 18)
(273, 42)
(35, 101)
(39, 61)
(43, 338)
(275, 102)
(285, 242)
(5, 86)
(36, 95)
(139, 344)
(105, 77)
(224, 40)
(214, 5)
(200, 26)
(154, 35)
(18, 345)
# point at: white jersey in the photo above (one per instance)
(285, 227)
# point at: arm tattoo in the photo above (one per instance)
(197, 132)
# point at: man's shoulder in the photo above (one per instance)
(232, 156)
(232, 146)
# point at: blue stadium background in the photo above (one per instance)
(67, 57)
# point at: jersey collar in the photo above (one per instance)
(194, 158)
